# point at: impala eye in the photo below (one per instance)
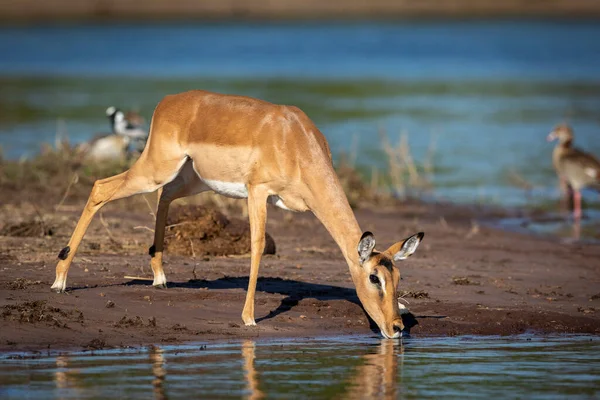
(374, 279)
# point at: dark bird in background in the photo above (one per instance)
(576, 169)
(130, 125)
(128, 137)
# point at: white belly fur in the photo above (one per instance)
(238, 190)
(229, 189)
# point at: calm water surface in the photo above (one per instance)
(343, 367)
(475, 98)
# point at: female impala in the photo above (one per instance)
(247, 148)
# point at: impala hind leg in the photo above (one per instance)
(139, 179)
(186, 184)
(257, 213)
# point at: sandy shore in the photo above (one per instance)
(462, 280)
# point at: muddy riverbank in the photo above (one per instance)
(464, 279)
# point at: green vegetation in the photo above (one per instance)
(69, 98)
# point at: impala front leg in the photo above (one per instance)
(257, 212)
(104, 190)
(139, 178)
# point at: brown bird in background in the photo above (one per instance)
(576, 169)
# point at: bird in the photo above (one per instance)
(130, 125)
(575, 168)
(105, 147)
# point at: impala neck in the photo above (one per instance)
(331, 207)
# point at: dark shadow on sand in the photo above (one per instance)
(295, 291)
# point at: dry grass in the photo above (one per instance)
(57, 174)
(402, 177)
(60, 177)
(403, 174)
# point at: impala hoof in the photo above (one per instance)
(250, 323)
(59, 286)
(160, 286)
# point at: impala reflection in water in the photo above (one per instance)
(341, 367)
(158, 370)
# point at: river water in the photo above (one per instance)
(475, 99)
(527, 367)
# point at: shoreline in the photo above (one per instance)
(203, 344)
(484, 281)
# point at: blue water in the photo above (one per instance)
(525, 367)
(476, 99)
(418, 50)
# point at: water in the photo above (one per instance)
(341, 367)
(476, 98)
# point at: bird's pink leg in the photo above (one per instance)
(576, 204)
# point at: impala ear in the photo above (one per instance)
(404, 249)
(366, 246)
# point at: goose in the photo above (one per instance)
(106, 147)
(130, 125)
(575, 168)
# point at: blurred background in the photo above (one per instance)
(463, 92)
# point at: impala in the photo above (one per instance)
(248, 148)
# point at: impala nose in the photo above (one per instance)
(398, 328)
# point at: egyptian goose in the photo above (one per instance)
(574, 167)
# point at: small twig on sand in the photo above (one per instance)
(139, 278)
(180, 223)
(143, 227)
(400, 298)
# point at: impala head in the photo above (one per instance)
(377, 280)
(562, 132)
